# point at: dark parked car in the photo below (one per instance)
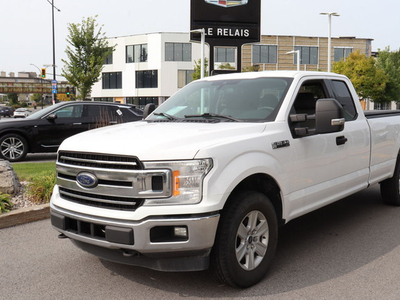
(6, 111)
(44, 130)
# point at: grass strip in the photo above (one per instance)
(26, 171)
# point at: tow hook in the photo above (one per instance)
(62, 236)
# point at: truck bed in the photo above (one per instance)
(370, 114)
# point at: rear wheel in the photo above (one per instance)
(390, 188)
(246, 240)
(13, 147)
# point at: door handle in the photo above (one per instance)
(341, 140)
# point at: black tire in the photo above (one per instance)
(390, 188)
(243, 252)
(13, 147)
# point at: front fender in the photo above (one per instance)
(228, 174)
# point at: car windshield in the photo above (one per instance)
(244, 100)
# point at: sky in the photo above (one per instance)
(26, 25)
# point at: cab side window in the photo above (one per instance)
(305, 103)
(343, 96)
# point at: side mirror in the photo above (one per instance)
(148, 109)
(51, 117)
(329, 116)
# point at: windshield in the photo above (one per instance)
(249, 100)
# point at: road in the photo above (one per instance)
(348, 250)
(39, 157)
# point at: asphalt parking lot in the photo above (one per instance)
(347, 250)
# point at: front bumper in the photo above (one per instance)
(165, 243)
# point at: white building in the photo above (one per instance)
(147, 68)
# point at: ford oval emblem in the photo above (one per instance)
(87, 180)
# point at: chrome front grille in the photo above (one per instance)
(121, 182)
(100, 161)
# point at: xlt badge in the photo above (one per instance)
(280, 144)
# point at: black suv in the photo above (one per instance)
(44, 130)
(6, 111)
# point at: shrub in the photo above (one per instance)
(40, 188)
(5, 203)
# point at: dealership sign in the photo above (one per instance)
(226, 3)
(231, 23)
(226, 22)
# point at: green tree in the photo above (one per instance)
(390, 63)
(197, 69)
(226, 66)
(368, 79)
(253, 68)
(12, 98)
(36, 98)
(86, 52)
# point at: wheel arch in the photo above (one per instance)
(20, 133)
(266, 185)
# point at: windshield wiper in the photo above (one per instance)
(209, 115)
(169, 117)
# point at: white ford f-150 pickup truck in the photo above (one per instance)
(209, 176)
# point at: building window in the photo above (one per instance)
(225, 55)
(136, 53)
(308, 55)
(147, 79)
(178, 52)
(341, 53)
(382, 106)
(104, 99)
(184, 77)
(265, 54)
(112, 80)
(109, 59)
(141, 102)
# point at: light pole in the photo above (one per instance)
(54, 44)
(203, 40)
(297, 52)
(329, 14)
(36, 68)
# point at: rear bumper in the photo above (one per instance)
(168, 243)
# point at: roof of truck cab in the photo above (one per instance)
(289, 74)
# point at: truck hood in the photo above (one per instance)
(159, 141)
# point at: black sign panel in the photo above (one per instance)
(234, 22)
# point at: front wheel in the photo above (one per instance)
(390, 188)
(246, 240)
(13, 147)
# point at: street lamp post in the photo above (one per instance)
(203, 39)
(297, 52)
(54, 43)
(329, 14)
(36, 68)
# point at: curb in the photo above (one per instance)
(25, 215)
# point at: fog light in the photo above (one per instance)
(180, 232)
(168, 234)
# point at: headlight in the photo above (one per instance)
(186, 180)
